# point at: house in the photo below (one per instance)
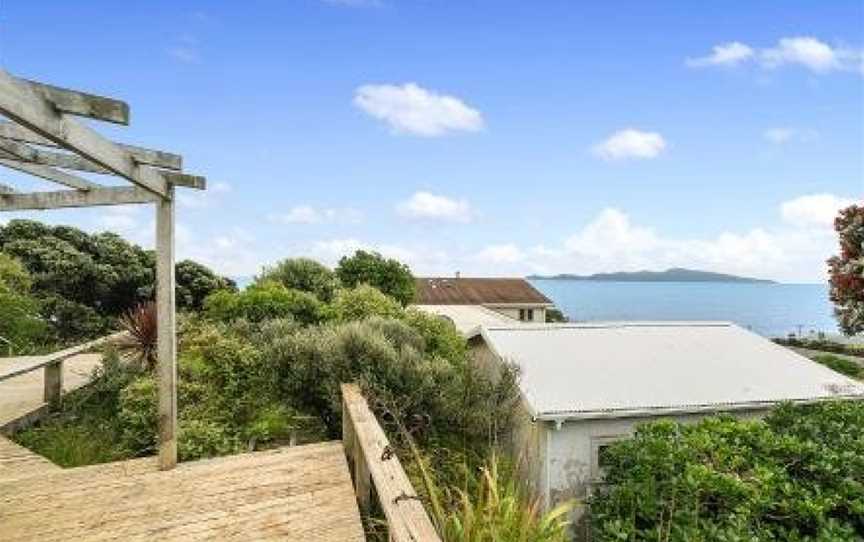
(513, 298)
(587, 385)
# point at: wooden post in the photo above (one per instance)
(362, 479)
(53, 382)
(166, 341)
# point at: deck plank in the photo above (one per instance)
(297, 493)
(17, 462)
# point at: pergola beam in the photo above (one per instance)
(34, 112)
(32, 155)
(40, 201)
(142, 155)
(47, 173)
(82, 104)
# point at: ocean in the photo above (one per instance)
(772, 310)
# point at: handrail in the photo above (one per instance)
(374, 463)
(52, 364)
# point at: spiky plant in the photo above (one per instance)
(140, 324)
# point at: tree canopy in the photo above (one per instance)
(302, 274)
(846, 270)
(388, 275)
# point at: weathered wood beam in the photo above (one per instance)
(82, 104)
(38, 201)
(47, 173)
(20, 104)
(142, 155)
(70, 161)
(166, 336)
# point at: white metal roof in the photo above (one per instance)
(623, 369)
(467, 318)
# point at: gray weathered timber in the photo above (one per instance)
(372, 457)
(24, 153)
(40, 201)
(166, 341)
(48, 173)
(22, 105)
(142, 155)
(82, 104)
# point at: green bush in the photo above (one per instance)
(263, 301)
(387, 275)
(798, 475)
(198, 439)
(362, 302)
(841, 365)
(302, 274)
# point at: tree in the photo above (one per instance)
(20, 324)
(302, 274)
(264, 301)
(388, 275)
(195, 282)
(846, 271)
(363, 302)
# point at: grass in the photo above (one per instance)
(839, 364)
(71, 445)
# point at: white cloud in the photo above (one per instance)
(221, 187)
(428, 206)
(806, 51)
(498, 254)
(630, 143)
(411, 109)
(780, 136)
(813, 209)
(306, 214)
(725, 54)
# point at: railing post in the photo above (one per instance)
(53, 375)
(362, 478)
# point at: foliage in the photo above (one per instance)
(86, 280)
(263, 301)
(822, 344)
(195, 282)
(846, 270)
(841, 365)
(555, 316)
(795, 476)
(496, 509)
(21, 324)
(302, 274)
(362, 302)
(140, 325)
(388, 275)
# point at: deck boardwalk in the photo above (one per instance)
(297, 493)
(17, 462)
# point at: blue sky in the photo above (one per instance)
(489, 137)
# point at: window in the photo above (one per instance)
(600, 453)
(526, 315)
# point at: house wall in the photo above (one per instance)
(513, 311)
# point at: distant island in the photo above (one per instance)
(676, 274)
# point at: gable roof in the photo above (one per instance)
(466, 318)
(655, 368)
(477, 291)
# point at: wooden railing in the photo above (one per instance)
(51, 363)
(374, 465)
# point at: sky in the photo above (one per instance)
(488, 137)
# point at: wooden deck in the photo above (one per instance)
(298, 493)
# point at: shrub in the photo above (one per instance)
(390, 276)
(302, 274)
(795, 476)
(263, 301)
(362, 302)
(197, 439)
(195, 282)
(140, 324)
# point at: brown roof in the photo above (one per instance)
(473, 291)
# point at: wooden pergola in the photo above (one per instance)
(41, 138)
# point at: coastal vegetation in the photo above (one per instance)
(797, 475)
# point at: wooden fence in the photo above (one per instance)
(374, 465)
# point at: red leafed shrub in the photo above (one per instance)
(141, 325)
(846, 271)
